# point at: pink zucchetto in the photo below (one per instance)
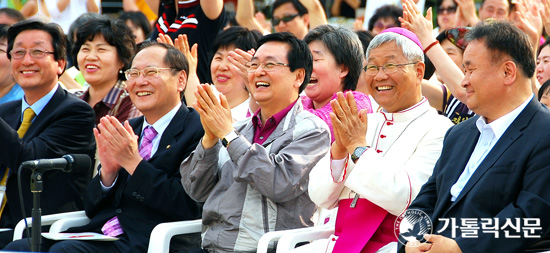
(402, 31)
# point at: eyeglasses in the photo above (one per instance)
(275, 21)
(447, 10)
(266, 66)
(389, 68)
(148, 72)
(34, 52)
(456, 36)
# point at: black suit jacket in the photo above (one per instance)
(153, 194)
(511, 182)
(63, 127)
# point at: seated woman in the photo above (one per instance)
(228, 79)
(103, 51)
(337, 62)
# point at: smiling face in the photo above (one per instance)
(543, 65)
(297, 26)
(327, 76)
(155, 96)
(480, 90)
(99, 62)
(226, 79)
(274, 90)
(35, 75)
(396, 91)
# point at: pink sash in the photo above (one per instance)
(356, 226)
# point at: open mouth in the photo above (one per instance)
(144, 93)
(262, 84)
(384, 88)
(313, 81)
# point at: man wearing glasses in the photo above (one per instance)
(380, 161)
(253, 175)
(47, 123)
(138, 185)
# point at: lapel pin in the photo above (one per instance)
(167, 147)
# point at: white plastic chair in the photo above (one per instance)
(46, 220)
(286, 239)
(159, 242)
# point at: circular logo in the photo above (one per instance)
(412, 225)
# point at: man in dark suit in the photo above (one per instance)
(138, 185)
(495, 165)
(47, 123)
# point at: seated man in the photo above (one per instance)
(494, 168)
(380, 160)
(47, 123)
(255, 179)
(138, 188)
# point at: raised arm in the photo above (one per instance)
(245, 16)
(212, 8)
(317, 15)
(447, 70)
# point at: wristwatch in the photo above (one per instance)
(229, 138)
(358, 152)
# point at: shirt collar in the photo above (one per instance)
(111, 99)
(500, 125)
(163, 122)
(39, 105)
(409, 113)
(257, 121)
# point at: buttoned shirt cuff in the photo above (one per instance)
(338, 169)
(103, 187)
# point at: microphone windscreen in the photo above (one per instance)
(80, 161)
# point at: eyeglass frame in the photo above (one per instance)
(287, 18)
(263, 64)
(31, 51)
(385, 66)
(448, 10)
(142, 72)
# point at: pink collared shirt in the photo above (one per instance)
(362, 101)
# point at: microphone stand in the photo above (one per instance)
(36, 189)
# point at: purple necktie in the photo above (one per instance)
(112, 228)
(149, 133)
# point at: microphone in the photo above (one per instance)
(66, 164)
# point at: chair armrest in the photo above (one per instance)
(66, 223)
(46, 220)
(265, 240)
(162, 233)
(288, 241)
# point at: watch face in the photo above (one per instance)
(359, 151)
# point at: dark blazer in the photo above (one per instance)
(153, 194)
(511, 182)
(63, 127)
